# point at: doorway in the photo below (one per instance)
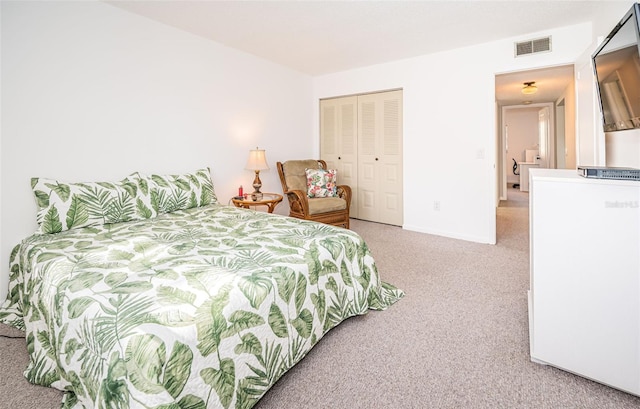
(528, 139)
(555, 91)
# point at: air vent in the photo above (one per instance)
(539, 45)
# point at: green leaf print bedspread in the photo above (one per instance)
(200, 308)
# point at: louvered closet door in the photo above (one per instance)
(380, 157)
(338, 141)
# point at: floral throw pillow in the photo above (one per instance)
(321, 183)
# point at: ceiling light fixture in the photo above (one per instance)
(529, 88)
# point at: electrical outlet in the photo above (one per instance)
(436, 205)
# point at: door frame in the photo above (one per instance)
(503, 138)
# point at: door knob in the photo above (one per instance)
(339, 158)
(376, 158)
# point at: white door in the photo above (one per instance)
(561, 147)
(380, 157)
(544, 133)
(338, 142)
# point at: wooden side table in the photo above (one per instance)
(270, 200)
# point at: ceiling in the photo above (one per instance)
(551, 83)
(321, 37)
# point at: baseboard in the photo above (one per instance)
(475, 239)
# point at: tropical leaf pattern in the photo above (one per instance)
(201, 308)
(65, 206)
(179, 192)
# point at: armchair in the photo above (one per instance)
(328, 210)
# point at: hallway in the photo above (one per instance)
(512, 220)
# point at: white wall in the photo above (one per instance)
(623, 148)
(450, 126)
(91, 92)
(522, 125)
(3, 264)
(569, 98)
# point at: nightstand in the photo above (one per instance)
(270, 200)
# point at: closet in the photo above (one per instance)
(361, 137)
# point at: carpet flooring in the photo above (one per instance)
(459, 338)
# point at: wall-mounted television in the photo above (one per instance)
(617, 68)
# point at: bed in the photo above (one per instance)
(192, 305)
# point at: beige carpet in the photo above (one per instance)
(459, 339)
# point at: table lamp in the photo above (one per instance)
(257, 162)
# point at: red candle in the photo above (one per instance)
(240, 191)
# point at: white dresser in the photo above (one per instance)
(524, 174)
(584, 296)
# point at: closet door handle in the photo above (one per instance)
(376, 158)
(339, 158)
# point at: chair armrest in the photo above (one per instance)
(344, 192)
(298, 201)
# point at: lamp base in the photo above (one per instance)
(257, 184)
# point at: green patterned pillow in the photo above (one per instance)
(178, 192)
(64, 206)
(321, 183)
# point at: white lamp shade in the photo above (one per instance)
(257, 160)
